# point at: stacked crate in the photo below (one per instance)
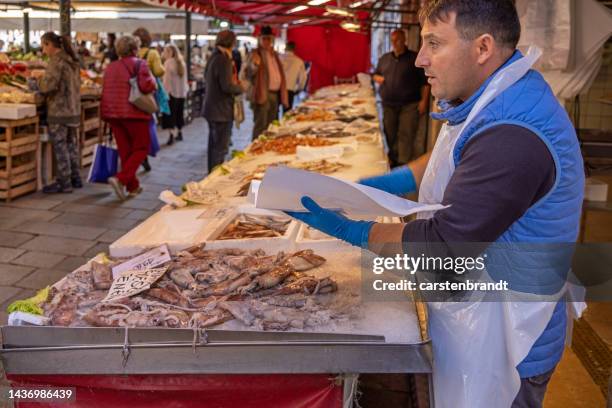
(91, 131)
(19, 157)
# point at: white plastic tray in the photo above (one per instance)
(284, 243)
(178, 228)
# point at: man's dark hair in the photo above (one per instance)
(476, 17)
(226, 39)
(290, 46)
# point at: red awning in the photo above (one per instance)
(314, 25)
(278, 12)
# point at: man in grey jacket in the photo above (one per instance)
(221, 86)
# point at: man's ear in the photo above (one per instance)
(485, 45)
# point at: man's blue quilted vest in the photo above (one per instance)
(555, 218)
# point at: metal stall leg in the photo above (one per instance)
(432, 402)
(349, 389)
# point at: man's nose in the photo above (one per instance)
(422, 59)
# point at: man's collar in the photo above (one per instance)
(400, 54)
(456, 112)
(224, 51)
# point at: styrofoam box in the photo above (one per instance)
(179, 229)
(17, 110)
(595, 190)
(283, 243)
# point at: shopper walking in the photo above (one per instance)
(175, 82)
(154, 62)
(129, 124)
(60, 86)
(405, 96)
(295, 73)
(221, 86)
(267, 86)
(110, 53)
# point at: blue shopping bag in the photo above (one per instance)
(162, 98)
(154, 145)
(104, 165)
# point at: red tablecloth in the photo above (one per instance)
(186, 391)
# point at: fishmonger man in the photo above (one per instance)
(508, 163)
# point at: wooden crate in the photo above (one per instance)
(19, 157)
(90, 131)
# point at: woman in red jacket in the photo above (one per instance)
(129, 124)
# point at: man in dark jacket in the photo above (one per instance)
(221, 86)
(405, 96)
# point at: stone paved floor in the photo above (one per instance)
(43, 237)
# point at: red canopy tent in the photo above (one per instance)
(315, 27)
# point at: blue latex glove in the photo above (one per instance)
(398, 181)
(334, 224)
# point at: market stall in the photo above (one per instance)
(231, 289)
(27, 152)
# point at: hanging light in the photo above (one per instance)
(296, 9)
(351, 26)
(224, 24)
(338, 12)
(359, 3)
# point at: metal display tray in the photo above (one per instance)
(60, 350)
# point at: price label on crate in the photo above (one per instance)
(133, 282)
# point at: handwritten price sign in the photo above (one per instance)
(133, 282)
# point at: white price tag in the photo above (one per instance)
(148, 260)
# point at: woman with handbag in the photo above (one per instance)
(175, 82)
(154, 62)
(129, 123)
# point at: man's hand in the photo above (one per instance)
(330, 222)
(379, 79)
(422, 108)
(256, 59)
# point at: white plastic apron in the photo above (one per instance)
(477, 345)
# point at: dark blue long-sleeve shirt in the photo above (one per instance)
(500, 174)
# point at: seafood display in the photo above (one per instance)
(235, 287)
(319, 166)
(255, 226)
(286, 144)
(197, 194)
(314, 115)
(202, 288)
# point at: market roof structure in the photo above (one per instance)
(353, 15)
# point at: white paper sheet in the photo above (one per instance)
(282, 189)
